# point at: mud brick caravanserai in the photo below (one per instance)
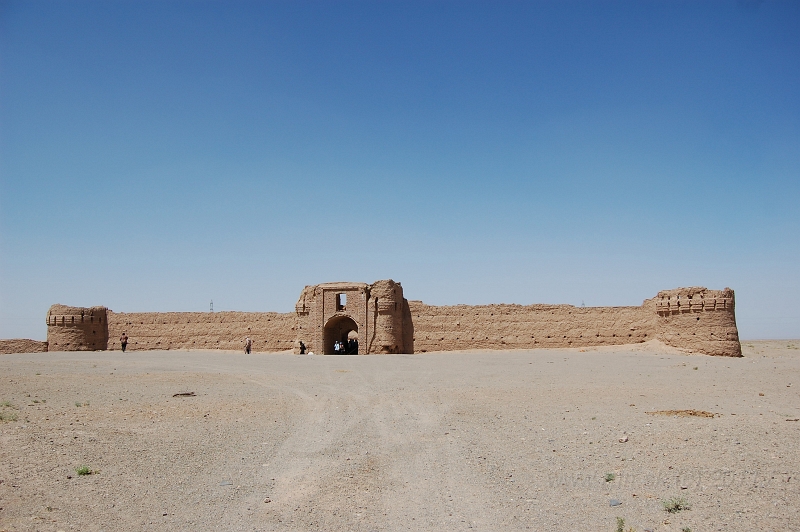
(379, 317)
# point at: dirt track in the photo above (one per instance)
(489, 441)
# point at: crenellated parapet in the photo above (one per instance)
(77, 328)
(695, 299)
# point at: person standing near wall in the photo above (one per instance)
(248, 344)
(302, 348)
(123, 340)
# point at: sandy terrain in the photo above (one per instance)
(511, 440)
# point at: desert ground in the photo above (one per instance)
(561, 439)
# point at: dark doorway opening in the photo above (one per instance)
(343, 330)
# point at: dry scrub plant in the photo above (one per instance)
(621, 526)
(6, 415)
(676, 504)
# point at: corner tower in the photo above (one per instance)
(77, 328)
(698, 319)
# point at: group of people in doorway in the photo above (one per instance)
(348, 348)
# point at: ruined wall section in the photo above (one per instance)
(77, 328)
(269, 331)
(305, 315)
(697, 319)
(22, 345)
(408, 328)
(447, 328)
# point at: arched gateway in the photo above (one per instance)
(340, 328)
(376, 312)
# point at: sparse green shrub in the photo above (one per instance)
(610, 476)
(620, 524)
(676, 504)
(83, 470)
(8, 416)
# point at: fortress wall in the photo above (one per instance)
(22, 345)
(695, 319)
(448, 328)
(269, 331)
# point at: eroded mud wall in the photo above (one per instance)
(269, 331)
(457, 327)
(22, 345)
(695, 319)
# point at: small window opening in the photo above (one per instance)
(341, 301)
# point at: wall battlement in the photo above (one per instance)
(683, 300)
(695, 319)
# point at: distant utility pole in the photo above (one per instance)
(582, 304)
(211, 307)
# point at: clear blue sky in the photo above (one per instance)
(156, 156)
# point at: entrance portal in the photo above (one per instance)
(342, 329)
